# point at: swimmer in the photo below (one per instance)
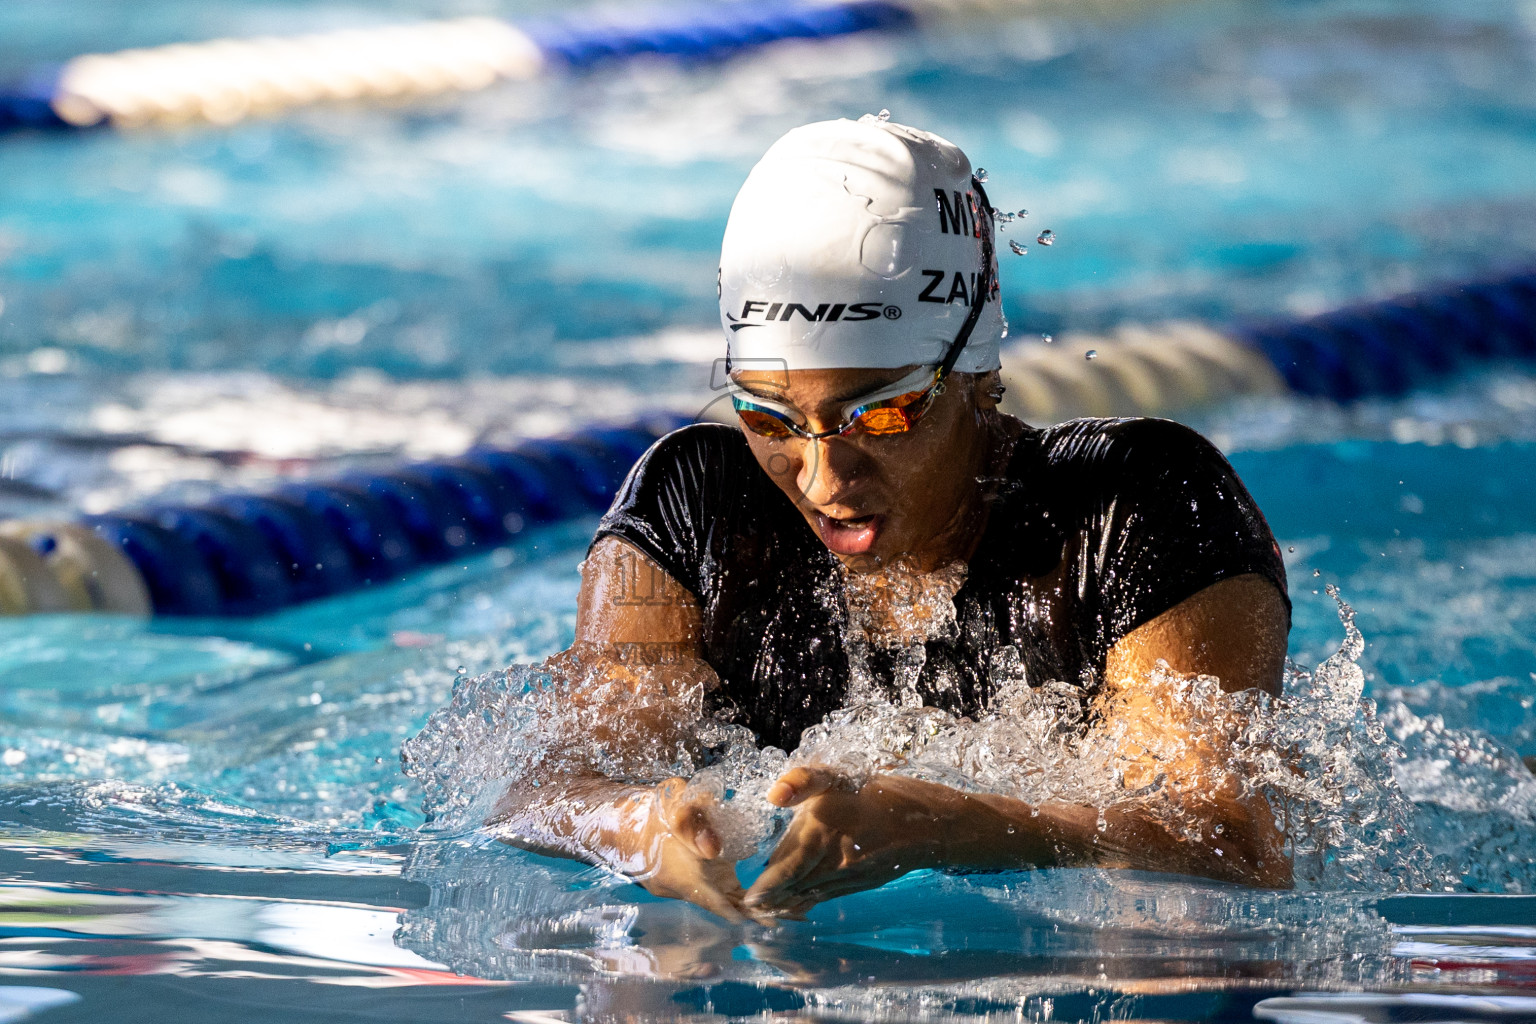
(859, 300)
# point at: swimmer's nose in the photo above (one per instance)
(829, 470)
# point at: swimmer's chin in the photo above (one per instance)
(852, 537)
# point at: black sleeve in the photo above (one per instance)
(1168, 518)
(670, 504)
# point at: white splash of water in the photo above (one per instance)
(1347, 785)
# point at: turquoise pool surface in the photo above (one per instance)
(208, 819)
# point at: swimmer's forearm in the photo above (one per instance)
(994, 832)
(591, 819)
(1238, 843)
(985, 832)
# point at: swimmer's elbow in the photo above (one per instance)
(1281, 876)
(1271, 874)
(1252, 853)
(1241, 844)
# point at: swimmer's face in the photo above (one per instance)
(874, 500)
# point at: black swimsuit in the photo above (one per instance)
(1098, 527)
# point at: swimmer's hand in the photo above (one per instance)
(845, 839)
(664, 837)
(681, 853)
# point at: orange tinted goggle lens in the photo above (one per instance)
(763, 424)
(895, 416)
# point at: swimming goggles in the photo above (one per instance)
(894, 409)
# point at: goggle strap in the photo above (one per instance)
(983, 289)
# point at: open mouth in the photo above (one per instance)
(851, 536)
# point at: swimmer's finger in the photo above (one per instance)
(809, 885)
(725, 878)
(689, 819)
(800, 784)
(690, 881)
(831, 889)
(776, 885)
(717, 903)
(725, 887)
(796, 911)
(737, 895)
(760, 916)
(693, 827)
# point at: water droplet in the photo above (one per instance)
(1018, 250)
(1047, 338)
(1292, 549)
(1219, 829)
(1092, 353)
(1317, 572)
(1046, 237)
(981, 175)
(884, 115)
(1023, 214)
(462, 670)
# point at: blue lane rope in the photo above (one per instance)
(1389, 348)
(225, 80)
(245, 554)
(712, 33)
(28, 105)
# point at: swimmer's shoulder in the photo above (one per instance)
(697, 482)
(703, 446)
(1124, 443)
(701, 462)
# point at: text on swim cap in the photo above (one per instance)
(960, 287)
(961, 218)
(825, 312)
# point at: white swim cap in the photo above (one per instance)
(859, 244)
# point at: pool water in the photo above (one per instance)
(209, 819)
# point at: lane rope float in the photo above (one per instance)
(1374, 349)
(84, 572)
